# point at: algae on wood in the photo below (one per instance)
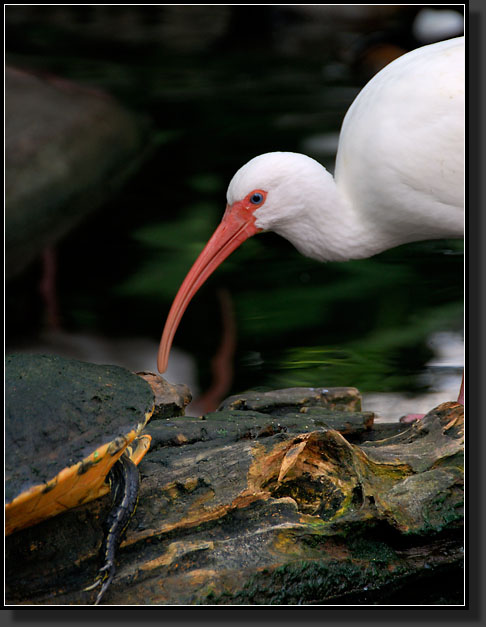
(259, 506)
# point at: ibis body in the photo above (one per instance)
(399, 177)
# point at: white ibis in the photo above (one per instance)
(399, 177)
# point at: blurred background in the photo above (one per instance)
(124, 125)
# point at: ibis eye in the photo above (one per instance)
(256, 198)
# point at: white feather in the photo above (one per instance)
(399, 168)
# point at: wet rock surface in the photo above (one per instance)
(280, 501)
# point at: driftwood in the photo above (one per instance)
(287, 497)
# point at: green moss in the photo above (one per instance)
(443, 512)
(311, 581)
(371, 550)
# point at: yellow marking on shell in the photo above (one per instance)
(74, 485)
(142, 445)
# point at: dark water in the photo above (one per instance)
(298, 322)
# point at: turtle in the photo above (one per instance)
(73, 432)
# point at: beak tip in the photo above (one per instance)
(161, 363)
(233, 230)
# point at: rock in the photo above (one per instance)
(247, 507)
(68, 149)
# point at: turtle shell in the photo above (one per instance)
(66, 424)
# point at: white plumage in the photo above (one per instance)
(399, 169)
(399, 176)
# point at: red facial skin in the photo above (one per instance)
(237, 225)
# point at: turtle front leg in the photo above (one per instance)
(124, 481)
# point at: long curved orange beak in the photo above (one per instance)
(237, 225)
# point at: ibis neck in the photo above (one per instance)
(330, 228)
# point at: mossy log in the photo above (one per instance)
(289, 497)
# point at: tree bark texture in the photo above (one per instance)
(279, 498)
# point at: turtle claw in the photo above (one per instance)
(105, 586)
(104, 578)
(94, 585)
